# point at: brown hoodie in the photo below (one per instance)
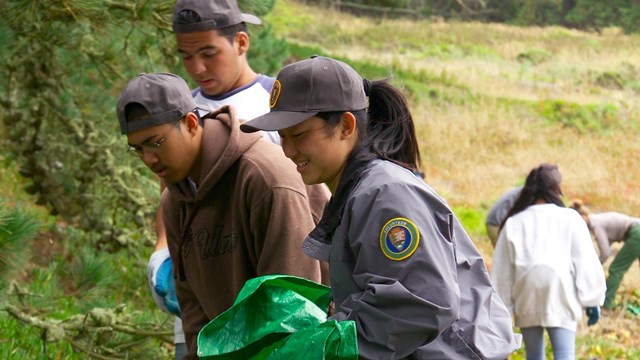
(247, 218)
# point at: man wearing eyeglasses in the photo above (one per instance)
(213, 41)
(235, 207)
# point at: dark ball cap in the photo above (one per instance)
(308, 87)
(166, 97)
(215, 14)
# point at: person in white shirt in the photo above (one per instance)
(545, 267)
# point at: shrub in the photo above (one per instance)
(610, 80)
(595, 118)
(17, 229)
(534, 56)
(596, 14)
(539, 12)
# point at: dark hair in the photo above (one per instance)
(387, 125)
(543, 183)
(186, 17)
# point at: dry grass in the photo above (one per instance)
(477, 147)
(475, 151)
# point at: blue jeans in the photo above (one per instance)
(563, 342)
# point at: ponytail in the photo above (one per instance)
(386, 128)
(390, 130)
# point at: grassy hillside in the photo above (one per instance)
(499, 99)
(493, 101)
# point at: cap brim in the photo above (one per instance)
(251, 19)
(276, 120)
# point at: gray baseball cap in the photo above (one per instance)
(214, 14)
(166, 97)
(308, 87)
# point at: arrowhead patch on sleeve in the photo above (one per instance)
(399, 238)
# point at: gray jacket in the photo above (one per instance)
(500, 209)
(405, 270)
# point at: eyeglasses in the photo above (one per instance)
(152, 148)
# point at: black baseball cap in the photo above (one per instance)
(166, 97)
(308, 87)
(215, 14)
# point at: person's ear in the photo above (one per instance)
(192, 122)
(242, 42)
(347, 125)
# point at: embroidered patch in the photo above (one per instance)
(399, 238)
(275, 94)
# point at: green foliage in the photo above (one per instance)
(256, 7)
(386, 3)
(539, 12)
(598, 348)
(625, 77)
(599, 14)
(419, 84)
(25, 342)
(595, 118)
(88, 272)
(533, 56)
(64, 65)
(267, 53)
(594, 346)
(441, 51)
(504, 10)
(74, 306)
(472, 220)
(384, 8)
(98, 333)
(6, 34)
(610, 80)
(583, 14)
(17, 228)
(58, 110)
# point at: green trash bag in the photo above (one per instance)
(278, 317)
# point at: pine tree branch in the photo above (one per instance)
(81, 348)
(96, 321)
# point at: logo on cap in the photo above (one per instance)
(275, 93)
(399, 238)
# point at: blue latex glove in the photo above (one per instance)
(593, 313)
(166, 288)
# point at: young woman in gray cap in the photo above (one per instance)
(401, 265)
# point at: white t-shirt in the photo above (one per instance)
(249, 101)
